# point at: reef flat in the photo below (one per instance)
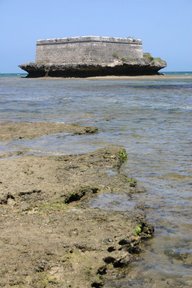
(55, 237)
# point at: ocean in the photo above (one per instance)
(152, 120)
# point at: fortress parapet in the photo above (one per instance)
(91, 56)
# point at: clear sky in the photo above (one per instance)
(165, 26)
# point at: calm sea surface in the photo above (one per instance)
(153, 120)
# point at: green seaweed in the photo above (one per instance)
(138, 230)
(122, 155)
(52, 206)
(132, 182)
(46, 280)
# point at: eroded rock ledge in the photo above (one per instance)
(54, 237)
(29, 130)
(118, 68)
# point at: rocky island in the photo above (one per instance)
(88, 56)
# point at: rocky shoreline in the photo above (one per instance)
(54, 236)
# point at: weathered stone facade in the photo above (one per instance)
(87, 50)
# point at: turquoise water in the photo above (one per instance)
(152, 119)
(178, 73)
(12, 75)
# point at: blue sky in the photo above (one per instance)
(165, 26)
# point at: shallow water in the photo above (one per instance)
(112, 201)
(152, 119)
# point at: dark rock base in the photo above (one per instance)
(82, 71)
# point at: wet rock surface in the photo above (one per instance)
(29, 130)
(50, 236)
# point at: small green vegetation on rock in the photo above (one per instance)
(53, 206)
(125, 59)
(158, 59)
(148, 56)
(115, 55)
(122, 155)
(46, 280)
(132, 182)
(138, 230)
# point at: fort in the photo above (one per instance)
(91, 56)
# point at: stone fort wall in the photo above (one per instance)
(87, 50)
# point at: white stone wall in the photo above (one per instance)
(87, 50)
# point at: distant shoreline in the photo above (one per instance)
(169, 76)
(116, 78)
(143, 77)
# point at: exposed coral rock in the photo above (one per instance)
(51, 231)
